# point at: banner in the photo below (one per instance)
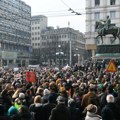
(30, 76)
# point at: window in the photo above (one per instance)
(97, 2)
(97, 15)
(112, 14)
(112, 2)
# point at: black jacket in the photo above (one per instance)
(109, 112)
(37, 111)
(47, 108)
(60, 112)
(75, 113)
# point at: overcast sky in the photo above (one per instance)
(58, 14)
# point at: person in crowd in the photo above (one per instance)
(46, 93)
(24, 114)
(117, 103)
(92, 113)
(60, 112)
(12, 112)
(88, 96)
(75, 113)
(3, 116)
(47, 107)
(53, 90)
(7, 102)
(37, 108)
(110, 112)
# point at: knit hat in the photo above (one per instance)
(21, 95)
(12, 111)
(92, 108)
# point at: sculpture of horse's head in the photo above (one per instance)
(98, 24)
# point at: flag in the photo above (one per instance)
(30, 76)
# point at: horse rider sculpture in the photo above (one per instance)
(104, 27)
(107, 24)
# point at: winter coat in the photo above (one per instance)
(109, 112)
(47, 108)
(92, 116)
(21, 116)
(60, 112)
(37, 110)
(26, 116)
(4, 118)
(75, 113)
(86, 98)
(117, 105)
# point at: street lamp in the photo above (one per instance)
(78, 56)
(70, 50)
(59, 54)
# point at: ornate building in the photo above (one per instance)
(62, 46)
(98, 10)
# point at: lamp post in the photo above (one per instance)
(59, 55)
(70, 50)
(59, 46)
(78, 57)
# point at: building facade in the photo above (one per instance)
(15, 32)
(38, 24)
(98, 10)
(62, 46)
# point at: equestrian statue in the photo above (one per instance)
(104, 27)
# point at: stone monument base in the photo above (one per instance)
(108, 52)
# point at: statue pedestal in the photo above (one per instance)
(108, 52)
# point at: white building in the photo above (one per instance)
(98, 10)
(38, 24)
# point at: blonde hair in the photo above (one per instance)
(37, 99)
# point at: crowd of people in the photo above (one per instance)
(84, 92)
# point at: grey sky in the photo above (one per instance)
(58, 14)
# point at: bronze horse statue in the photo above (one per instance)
(113, 30)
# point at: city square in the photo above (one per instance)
(59, 60)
